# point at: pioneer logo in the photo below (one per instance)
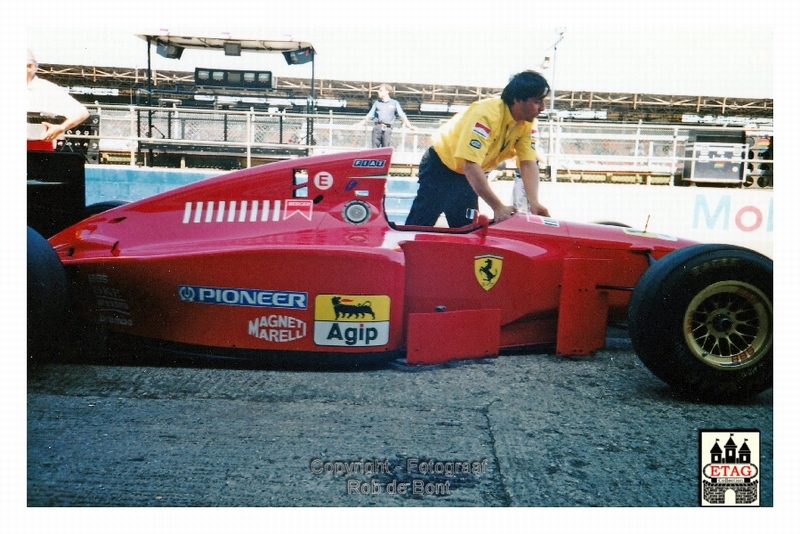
(263, 298)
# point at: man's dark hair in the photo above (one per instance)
(524, 85)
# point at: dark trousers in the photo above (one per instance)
(441, 190)
(381, 135)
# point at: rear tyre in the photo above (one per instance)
(701, 319)
(47, 297)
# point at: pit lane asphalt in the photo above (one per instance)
(523, 430)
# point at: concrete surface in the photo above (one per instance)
(516, 431)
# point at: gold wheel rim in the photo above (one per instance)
(728, 325)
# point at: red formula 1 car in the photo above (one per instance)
(297, 260)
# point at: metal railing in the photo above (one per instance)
(571, 150)
(133, 130)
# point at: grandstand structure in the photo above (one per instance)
(117, 85)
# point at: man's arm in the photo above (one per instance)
(58, 102)
(370, 116)
(407, 123)
(477, 179)
(529, 172)
(54, 131)
(403, 117)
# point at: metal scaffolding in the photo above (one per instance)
(124, 85)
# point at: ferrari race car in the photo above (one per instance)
(296, 260)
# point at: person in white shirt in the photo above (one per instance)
(51, 101)
(383, 114)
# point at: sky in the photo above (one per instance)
(709, 48)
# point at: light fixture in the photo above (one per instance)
(299, 56)
(169, 51)
(232, 49)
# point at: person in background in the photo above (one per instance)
(58, 110)
(452, 172)
(383, 113)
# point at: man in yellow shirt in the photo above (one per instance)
(452, 173)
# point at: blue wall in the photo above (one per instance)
(111, 182)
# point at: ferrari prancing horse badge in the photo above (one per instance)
(487, 270)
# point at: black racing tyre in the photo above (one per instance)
(47, 297)
(701, 319)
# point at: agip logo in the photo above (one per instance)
(487, 270)
(729, 468)
(351, 320)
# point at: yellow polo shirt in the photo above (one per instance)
(484, 133)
